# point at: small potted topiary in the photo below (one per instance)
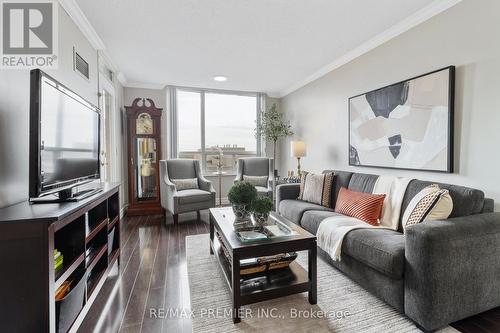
(261, 207)
(241, 195)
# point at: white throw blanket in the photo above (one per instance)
(332, 230)
(394, 189)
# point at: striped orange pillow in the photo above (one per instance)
(364, 206)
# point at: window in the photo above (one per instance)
(210, 123)
(189, 121)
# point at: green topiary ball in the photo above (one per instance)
(262, 205)
(242, 193)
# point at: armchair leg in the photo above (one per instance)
(164, 212)
(198, 215)
(176, 218)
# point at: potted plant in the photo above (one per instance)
(241, 195)
(272, 126)
(261, 206)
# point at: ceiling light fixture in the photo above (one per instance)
(220, 78)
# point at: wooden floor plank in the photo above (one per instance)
(134, 311)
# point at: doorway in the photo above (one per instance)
(109, 142)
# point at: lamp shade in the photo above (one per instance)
(298, 148)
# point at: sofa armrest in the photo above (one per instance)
(452, 269)
(205, 184)
(239, 171)
(286, 191)
(168, 190)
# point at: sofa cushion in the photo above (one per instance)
(316, 188)
(263, 190)
(193, 196)
(361, 182)
(312, 218)
(256, 180)
(340, 179)
(381, 249)
(466, 201)
(185, 184)
(181, 168)
(430, 204)
(364, 206)
(256, 166)
(293, 209)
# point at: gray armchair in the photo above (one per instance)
(260, 167)
(188, 200)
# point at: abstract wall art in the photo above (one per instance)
(407, 125)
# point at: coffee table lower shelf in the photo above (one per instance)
(278, 283)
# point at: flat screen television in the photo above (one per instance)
(64, 139)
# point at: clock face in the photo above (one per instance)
(144, 124)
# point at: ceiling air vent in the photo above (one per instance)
(80, 65)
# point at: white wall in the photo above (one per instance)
(465, 36)
(158, 96)
(14, 108)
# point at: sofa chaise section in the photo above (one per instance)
(437, 273)
(452, 269)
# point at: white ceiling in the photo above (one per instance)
(273, 46)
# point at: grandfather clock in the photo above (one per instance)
(144, 152)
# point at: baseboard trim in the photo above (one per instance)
(123, 211)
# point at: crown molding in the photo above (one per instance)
(411, 21)
(273, 94)
(76, 14)
(122, 79)
(145, 85)
(106, 60)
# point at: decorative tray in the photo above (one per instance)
(273, 229)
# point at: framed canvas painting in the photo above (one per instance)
(407, 125)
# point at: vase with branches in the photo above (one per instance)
(272, 126)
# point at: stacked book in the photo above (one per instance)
(264, 264)
(58, 259)
(260, 264)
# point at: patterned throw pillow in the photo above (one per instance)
(316, 188)
(430, 204)
(186, 184)
(256, 180)
(364, 206)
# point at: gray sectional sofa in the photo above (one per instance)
(436, 273)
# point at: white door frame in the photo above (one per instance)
(112, 156)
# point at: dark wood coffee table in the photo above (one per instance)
(299, 280)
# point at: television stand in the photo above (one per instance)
(66, 195)
(87, 236)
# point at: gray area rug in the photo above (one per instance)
(343, 306)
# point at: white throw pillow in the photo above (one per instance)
(430, 204)
(256, 180)
(186, 184)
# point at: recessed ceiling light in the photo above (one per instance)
(220, 78)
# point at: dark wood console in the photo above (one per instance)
(86, 233)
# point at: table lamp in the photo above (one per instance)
(298, 150)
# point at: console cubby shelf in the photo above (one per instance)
(87, 233)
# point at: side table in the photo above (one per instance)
(219, 175)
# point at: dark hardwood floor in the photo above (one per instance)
(154, 276)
